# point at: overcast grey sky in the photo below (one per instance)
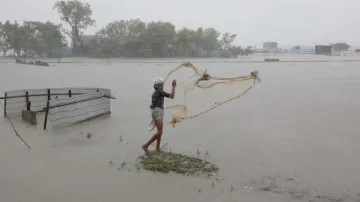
(289, 22)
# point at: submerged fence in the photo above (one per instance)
(63, 106)
(65, 112)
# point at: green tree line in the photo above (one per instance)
(120, 38)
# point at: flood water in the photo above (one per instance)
(298, 129)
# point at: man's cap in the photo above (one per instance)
(158, 80)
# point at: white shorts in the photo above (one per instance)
(156, 114)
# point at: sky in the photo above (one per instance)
(288, 22)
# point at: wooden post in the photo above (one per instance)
(5, 105)
(47, 109)
(46, 114)
(27, 100)
(48, 94)
(28, 106)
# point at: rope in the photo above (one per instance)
(16, 133)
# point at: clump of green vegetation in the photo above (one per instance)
(166, 162)
(89, 135)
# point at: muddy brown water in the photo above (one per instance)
(293, 137)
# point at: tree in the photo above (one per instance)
(185, 42)
(158, 39)
(210, 40)
(206, 41)
(248, 50)
(5, 31)
(134, 44)
(30, 38)
(48, 37)
(227, 40)
(16, 39)
(235, 50)
(23, 38)
(78, 16)
(122, 36)
(134, 38)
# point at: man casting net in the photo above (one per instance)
(198, 91)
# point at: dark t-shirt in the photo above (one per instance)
(157, 99)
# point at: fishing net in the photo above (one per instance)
(198, 92)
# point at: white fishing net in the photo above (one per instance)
(198, 91)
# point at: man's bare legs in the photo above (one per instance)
(158, 142)
(157, 136)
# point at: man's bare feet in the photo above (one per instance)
(145, 150)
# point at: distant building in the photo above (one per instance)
(87, 40)
(89, 43)
(323, 50)
(270, 45)
(338, 47)
(295, 49)
(90, 40)
(63, 52)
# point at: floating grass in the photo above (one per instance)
(166, 162)
(89, 135)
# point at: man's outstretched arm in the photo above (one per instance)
(172, 94)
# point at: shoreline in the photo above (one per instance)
(283, 58)
(119, 62)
